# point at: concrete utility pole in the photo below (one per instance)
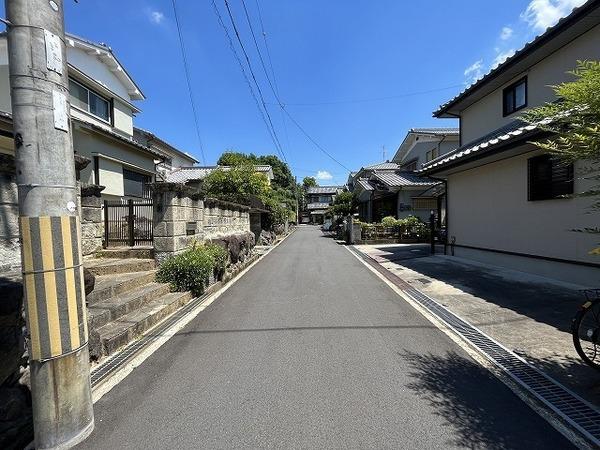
(49, 224)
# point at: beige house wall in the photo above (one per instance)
(488, 208)
(485, 115)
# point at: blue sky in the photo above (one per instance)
(356, 74)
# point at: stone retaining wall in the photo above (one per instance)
(180, 219)
(10, 249)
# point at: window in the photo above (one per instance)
(83, 98)
(431, 154)
(425, 203)
(515, 97)
(325, 199)
(134, 184)
(410, 166)
(548, 178)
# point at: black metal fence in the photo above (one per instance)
(128, 223)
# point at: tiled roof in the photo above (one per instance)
(323, 189)
(364, 184)
(515, 129)
(403, 179)
(317, 206)
(185, 174)
(383, 166)
(538, 41)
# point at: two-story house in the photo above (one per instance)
(318, 200)
(509, 203)
(102, 96)
(422, 145)
(392, 188)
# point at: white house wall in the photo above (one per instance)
(4, 88)
(97, 70)
(488, 208)
(485, 115)
(111, 176)
(123, 117)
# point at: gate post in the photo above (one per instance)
(105, 243)
(130, 223)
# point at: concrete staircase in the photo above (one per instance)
(126, 301)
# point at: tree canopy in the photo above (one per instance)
(309, 182)
(242, 182)
(344, 204)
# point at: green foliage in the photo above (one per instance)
(187, 271)
(389, 222)
(219, 256)
(191, 270)
(344, 204)
(309, 182)
(241, 183)
(575, 118)
(575, 123)
(237, 185)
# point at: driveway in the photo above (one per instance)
(311, 350)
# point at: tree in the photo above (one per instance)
(237, 185)
(233, 158)
(574, 122)
(345, 203)
(309, 182)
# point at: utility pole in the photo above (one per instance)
(49, 224)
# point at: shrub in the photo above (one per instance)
(220, 258)
(188, 271)
(389, 222)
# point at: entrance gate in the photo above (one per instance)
(128, 223)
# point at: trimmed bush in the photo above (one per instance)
(389, 222)
(220, 258)
(188, 271)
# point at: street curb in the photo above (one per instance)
(137, 358)
(553, 419)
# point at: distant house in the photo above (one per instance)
(421, 145)
(509, 203)
(385, 189)
(173, 158)
(318, 200)
(195, 174)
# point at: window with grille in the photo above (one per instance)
(424, 203)
(548, 178)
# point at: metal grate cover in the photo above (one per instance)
(574, 410)
(113, 363)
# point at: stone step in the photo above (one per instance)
(120, 332)
(113, 308)
(126, 252)
(109, 266)
(108, 286)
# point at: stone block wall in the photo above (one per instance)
(10, 249)
(181, 219)
(92, 225)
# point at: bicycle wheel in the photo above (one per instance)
(586, 333)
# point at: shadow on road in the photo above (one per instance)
(467, 397)
(551, 304)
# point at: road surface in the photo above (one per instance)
(311, 350)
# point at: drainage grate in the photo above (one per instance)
(116, 361)
(574, 410)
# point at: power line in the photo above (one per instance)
(276, 94)
(239, 39)
(375, 99)
(189, 84)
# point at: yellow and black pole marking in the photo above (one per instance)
(54, 285)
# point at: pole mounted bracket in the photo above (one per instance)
(6, 22)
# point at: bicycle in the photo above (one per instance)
(586, 329)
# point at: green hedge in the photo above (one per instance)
(191, 270)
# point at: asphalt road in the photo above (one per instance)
(311, 350)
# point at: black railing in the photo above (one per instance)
(128, 223)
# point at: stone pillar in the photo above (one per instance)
(10, 249)
(92, 223)
(178, 218)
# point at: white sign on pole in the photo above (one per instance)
(61, 116)
(53, 52)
